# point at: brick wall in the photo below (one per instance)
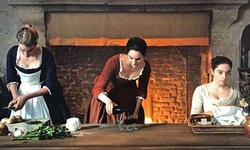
(175, 74)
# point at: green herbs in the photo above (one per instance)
(46, 131)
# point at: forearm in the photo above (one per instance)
(40, 92)
(209, 113)
(13, 90)
(104, 98)
(137, 107)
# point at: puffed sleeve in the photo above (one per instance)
(109, 71)
(197, 101)
(49, 75)
(12, 75)
(143, 81)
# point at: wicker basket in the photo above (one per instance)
(211, 129)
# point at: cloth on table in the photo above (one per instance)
(228, 115)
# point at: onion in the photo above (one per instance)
(18, 118)
(3, 129)
(4, 120)
(17, 133)
(11, 120)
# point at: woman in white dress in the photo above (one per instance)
(32, 80)
(208, 96)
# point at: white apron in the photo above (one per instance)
(34, 108)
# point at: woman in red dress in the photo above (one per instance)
(123, 82)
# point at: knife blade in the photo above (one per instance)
(10, 108)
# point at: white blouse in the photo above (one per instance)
(202, 102)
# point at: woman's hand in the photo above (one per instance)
(134, 116)
(18, 102)
(13, 102)
(109, 107)
(109, 103)
(209, 113)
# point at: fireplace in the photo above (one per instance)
(83, 35)
(176, 71)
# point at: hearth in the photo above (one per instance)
(83, 34)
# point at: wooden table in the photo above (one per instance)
(155, 136)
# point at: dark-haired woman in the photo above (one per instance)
(208, 96)
(123, 82)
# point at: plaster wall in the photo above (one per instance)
(10, 22)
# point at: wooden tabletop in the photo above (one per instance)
(154, 136)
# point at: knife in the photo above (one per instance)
(10, 108)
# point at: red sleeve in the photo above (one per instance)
(143, 81)
(110, 70)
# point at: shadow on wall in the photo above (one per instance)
(4, 98)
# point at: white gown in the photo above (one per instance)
(34, 108)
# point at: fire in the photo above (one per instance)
(148, 120)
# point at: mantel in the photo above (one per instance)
(124, 2)
(129, 5)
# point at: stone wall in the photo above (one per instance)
(8, 28)
(228, 19)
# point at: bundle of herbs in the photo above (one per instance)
(44, 132)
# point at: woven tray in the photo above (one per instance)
(212, 129)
